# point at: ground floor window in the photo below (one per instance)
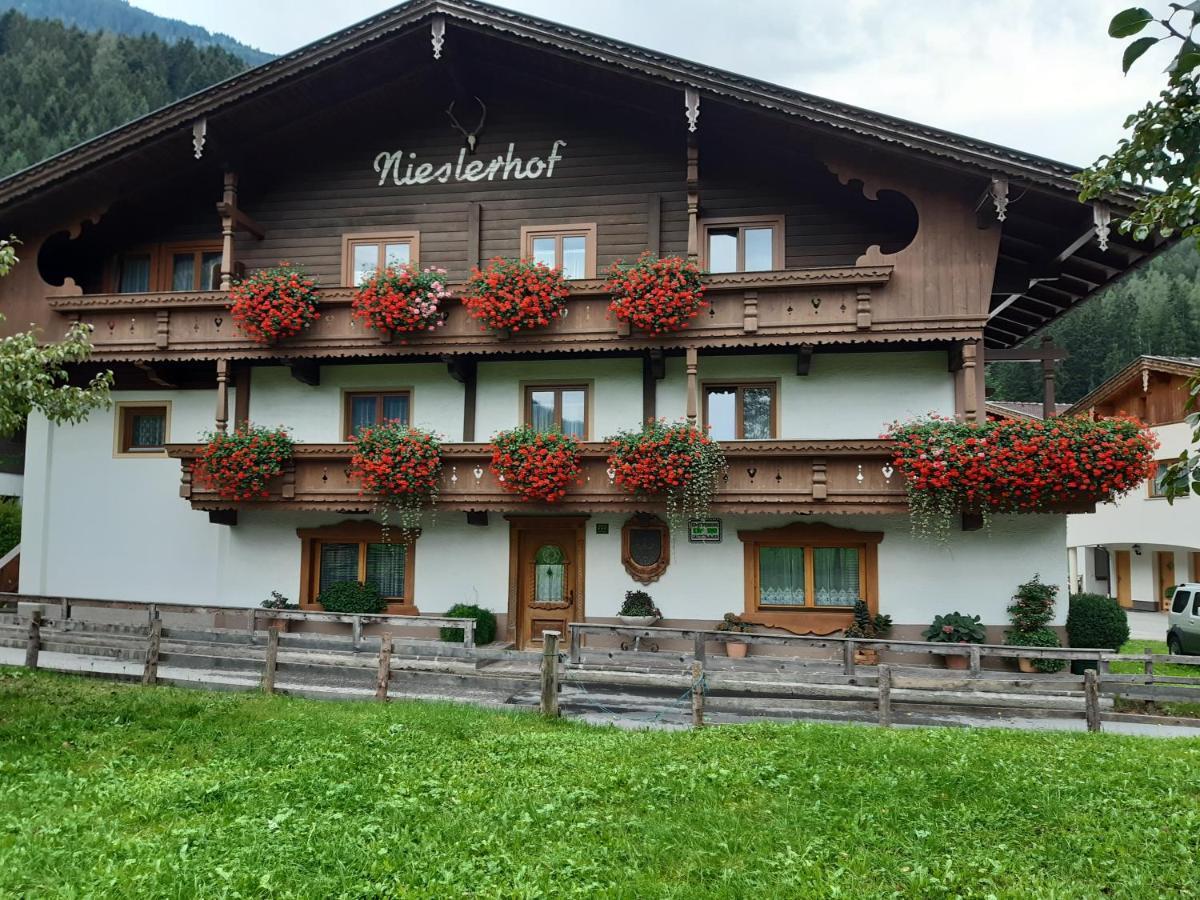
(357, 551)
(142, 428)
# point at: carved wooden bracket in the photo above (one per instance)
(820, 487)
(750, 312)
(863, 313)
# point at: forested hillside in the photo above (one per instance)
(63, 85)
(1155, 310)
(119, 17)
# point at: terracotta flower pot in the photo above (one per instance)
(1025, 664)
(957, 662)
(736, 649)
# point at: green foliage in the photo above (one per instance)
(1037, 637)
(10, 525)
(734, 622)
(115, 790)
(955, 628)
(352, 597)
(1096, 621)
(638, 603)
(63, 86)
(485, 624)
(1033, 604)
(867, 626)
(278, 601)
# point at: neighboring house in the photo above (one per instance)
(1138, 547)
(1018, 409)
(862, 269)
(12, 466)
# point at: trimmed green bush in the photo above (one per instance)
(485, 624)
(1037, 637)
(10, 525)
(1094, 620)
(352, 597)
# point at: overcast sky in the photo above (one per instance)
(1038, 75)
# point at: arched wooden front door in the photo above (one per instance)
(549, 578)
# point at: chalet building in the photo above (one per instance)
(861, 269)
(1139, 547)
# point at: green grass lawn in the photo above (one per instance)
(116, 790)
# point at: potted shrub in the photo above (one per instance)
(278, 601)
(1031, 610)
(735, 623)
(656, 295)
(402, 300)
(955, 628)
(239, 464)
(402, 466)
(1094, 620)
(538, 465)
(272, 304)
(867, 627)
(638, 609)
(485, 624)
(352, 597)
(675, 460)
(512, 295)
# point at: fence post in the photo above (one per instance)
(1091, 699)
(64, 612)
(253, 624)
(697, 694)
(356, 632)
(976, 662)
(574, 645)
(150, 670)
(385, 666)
(272, 661)
(549, 703)
(469, 635)
(1148, 668)
(885, 696)
(698, 648)
(33, 644)
(848, 657)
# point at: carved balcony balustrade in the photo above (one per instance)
(783, 477)
(783, 309)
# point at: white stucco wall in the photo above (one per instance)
(10, 485)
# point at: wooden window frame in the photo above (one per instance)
(348, 395)
(1151, 482)
(810, 619)
(739, 425)
(639, 573)
(586, 230)
(741, 223)
(161, 257)
(351, 239)
(353, 532)
(123, 428)
(528, 387)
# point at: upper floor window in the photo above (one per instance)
(365, 409)
(142, 428)
(195, 270)
(170, 267)
(364, 254)
(558, 408)
(751, 244)
(1160, 481)
(740, 412)
(571, 248)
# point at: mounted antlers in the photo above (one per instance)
(472, 136)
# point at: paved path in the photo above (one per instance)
(1147, 626)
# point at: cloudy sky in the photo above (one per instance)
(1038, 75)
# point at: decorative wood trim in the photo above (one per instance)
(352, 531)
(639, 573)
(408, 236)
(778, 239)
(123, 412)
(586, 230)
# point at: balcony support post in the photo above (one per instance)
(227, 207)
(1049, 408)
(970, 391)
(693, 198)
(693, 385)
(222, 395)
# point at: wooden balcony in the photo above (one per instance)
(766, 309)
(762, 477)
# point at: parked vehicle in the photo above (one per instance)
(1183, 620)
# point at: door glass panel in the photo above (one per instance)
(759, 249)
(362, 413)
(366, 261)
(549, 574)
(722, 414)
(395, 408)
(574, 253)
(757, 420)
(397, 254)
(781, 576)
(183, 272)
(835, 576)
(135, 274)
(541, 410)
(210, 272)
(385, 568)
(339, 563)
(722, 250)
(573, 404)
(543, 251)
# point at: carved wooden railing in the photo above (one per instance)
(784, 309)
(762, 476)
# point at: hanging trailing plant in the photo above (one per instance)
(238, 465)
(402, 300)
(538, 465)
(272, 304)
(402, 466)
(675, 460)
(1015, 466)
(512, 295)
(656, 295)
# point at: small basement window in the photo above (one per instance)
(142, 429)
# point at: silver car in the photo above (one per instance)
(1183, 621)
